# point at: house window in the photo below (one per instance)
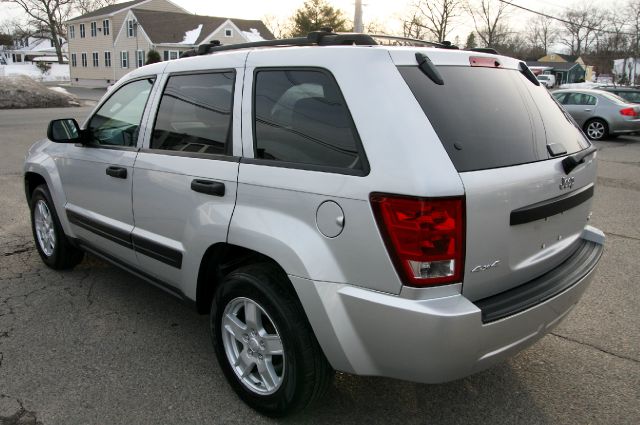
(130, 28)
(124, 59)
(107, 59)
(140, 58)
(105, 27)
(228, 32)
(96, 61)
(72, 31)
(81, 30)
(94, 29)
(74, 60)
(84, 60)
(171, 54)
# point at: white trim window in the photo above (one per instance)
(107, 59)
(81, 30)
(140, 58)
(72, 31)
(106, 30)
(228, 32)
(83, 56)
(130, 28)
(94, 29)
(96, 59)
(124, 59)
(74, 60)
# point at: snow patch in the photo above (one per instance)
(586, 85)
(58, 72)
(252, 35)
(61, 90)
(190, 37)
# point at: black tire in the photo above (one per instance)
(63, 255)
(306, 372)
(596, 123)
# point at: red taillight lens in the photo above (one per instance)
(628, 112)
(424, 237)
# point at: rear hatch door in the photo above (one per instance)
(507, 138)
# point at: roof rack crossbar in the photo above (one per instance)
(444, 45)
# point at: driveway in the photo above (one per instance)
(96, 345)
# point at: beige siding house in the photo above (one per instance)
(106, 44)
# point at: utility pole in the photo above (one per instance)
(357, 19)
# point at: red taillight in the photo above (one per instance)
(628, 112)
(424, 237)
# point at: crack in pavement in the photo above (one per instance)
(619, 183)
(18, 251)
(617, 235)
(602, 350)
(21, 417)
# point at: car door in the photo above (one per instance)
(185, 178)
(581, 106)
(96, 175)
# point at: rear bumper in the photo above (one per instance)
(625, 126)
(430, 340)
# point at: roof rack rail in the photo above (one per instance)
(415, 42)
(324, 37)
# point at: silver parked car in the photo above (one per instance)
(599, 113)
(419, 213)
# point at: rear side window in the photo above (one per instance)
(490, 118)
(579, 99)
(301, 119)
(195, 114)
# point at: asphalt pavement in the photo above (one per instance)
(96, 345)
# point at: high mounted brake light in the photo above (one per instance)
(484, 61)
(424, 237)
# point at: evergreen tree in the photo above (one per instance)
(152, 57)
(471, 41)
(316, 14)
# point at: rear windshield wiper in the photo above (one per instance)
(572, 161)
(429, 69)
(524, 69)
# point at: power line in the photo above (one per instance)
(510, 3)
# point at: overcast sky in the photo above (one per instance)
(385, 12)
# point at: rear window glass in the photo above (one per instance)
(490, 118)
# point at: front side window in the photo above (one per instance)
(301, 117)
(105, 27)
(107, 59)
(117, 122)
(94, 29)
(81, 30)
(195, 114)
(84, 60)
(140, 58)
(95, 59)
(74, 60)
(72, 31)
(124, 59)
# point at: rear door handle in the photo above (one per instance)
(588, 110)
(208, 186)
(117, 172)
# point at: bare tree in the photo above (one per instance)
(435, 17)
(413, 27)
(542, 33)
(489, 19)
(47, 14)
(86, 6)
(580, 28)
(279, 27)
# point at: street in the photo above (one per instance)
(96, 345)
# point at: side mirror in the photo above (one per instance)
(64, 131)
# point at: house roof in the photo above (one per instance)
(107, 10)
(568, 58)
(170, 27)
(560, 66)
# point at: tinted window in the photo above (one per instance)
(117, 122)
(301, 117)
(489, 118)
(579, 99)
(195, 114)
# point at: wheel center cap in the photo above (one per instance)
(254, 344)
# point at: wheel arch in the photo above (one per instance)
(219, 260)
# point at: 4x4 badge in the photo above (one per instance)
(567, 182)
(484, 267)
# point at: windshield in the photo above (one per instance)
(543, 77)
(489, 118)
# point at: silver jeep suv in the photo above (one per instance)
(417, 213)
